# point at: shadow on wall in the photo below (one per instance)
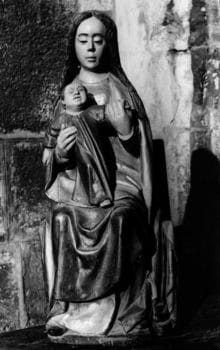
(198, 239)
(160, 179)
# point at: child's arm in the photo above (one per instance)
(52, 133)
(50, 142)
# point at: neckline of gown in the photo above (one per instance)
(95, 83)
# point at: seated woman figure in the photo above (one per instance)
(98, 259)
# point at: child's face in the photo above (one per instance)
(75, 95)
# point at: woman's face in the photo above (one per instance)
(90, 43)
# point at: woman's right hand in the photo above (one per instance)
(65, 141)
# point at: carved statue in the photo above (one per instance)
(101, 250)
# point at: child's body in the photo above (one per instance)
(80, 111)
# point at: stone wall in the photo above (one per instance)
(158, 62)
(170, 52)
(33, 44)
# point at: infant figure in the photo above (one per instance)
(79, 110)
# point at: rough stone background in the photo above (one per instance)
(33, 54)
(170, 50)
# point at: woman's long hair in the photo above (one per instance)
(112, 58)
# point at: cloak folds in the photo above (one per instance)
(93, 252)
(99, 244)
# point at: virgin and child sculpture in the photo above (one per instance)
(107, 271)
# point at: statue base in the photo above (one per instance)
(139, 339)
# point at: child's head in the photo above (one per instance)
(75, 96)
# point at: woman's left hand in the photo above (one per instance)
(119, 114)
(119, 117)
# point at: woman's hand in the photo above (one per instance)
(119, 114)
(65, 141)
(119, 117)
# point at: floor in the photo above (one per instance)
(203, 332)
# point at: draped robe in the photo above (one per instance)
(94, 253)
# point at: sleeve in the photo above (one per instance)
(54, 127)
(131, 142)
(50, 140)
(128, 136)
